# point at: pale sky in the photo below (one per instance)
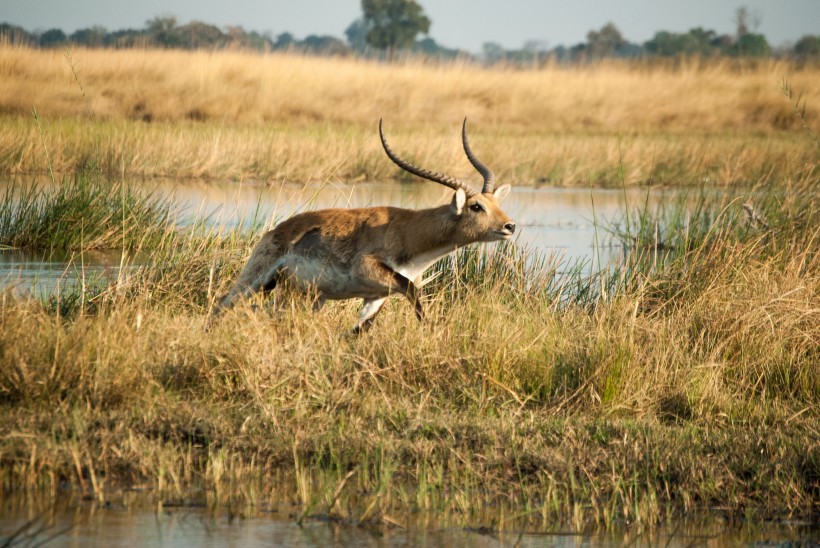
(464, 24)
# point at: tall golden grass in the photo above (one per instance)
(235, 87)
(285, 116)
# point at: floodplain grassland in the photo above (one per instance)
(286, 117)
(685, 379)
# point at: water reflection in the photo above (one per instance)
(565, 222)
(40, 273)
(115, 525)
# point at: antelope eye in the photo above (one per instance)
(477, 207)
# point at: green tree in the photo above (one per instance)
(431, 48)
(356, 34)
(747, 43)
(670, 44)
(746, 21)
(92, 37)
(163, 30)
(605, 42)
(127, 38)
(393, 24)
(53, 38)
(325, 45)
(284, 41)
(197, 34)
(750, 45)
(808, 47)
(493, 52)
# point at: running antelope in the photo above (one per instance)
(371, 253)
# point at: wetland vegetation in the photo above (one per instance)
(684, 379)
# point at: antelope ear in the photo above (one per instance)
(501, 192)
(459, 199)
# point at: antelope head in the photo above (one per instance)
(478, 215)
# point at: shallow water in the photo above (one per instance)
(115, 525)
(43, 273)
(554, 219)
(566, 223)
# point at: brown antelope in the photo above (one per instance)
(371, 253)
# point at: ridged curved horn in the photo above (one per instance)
(489, 178)
(440, 178)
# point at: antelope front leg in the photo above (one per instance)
(368, 314)
(379, 274)
(396, 283)
(410, 291)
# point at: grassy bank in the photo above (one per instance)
(286, 117)
(522, 403)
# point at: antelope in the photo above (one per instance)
(374, 252)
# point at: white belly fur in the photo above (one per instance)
(416, 266)
(311, 272)
(336, 283)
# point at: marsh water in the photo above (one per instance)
(129, 522)
(568, 225)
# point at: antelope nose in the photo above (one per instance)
(510, 226)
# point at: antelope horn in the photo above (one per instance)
(489, 178)
(445, 180)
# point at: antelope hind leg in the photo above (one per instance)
(244, 287)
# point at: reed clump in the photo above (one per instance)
(685, 378)
(82, 213)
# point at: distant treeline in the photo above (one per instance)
(165, 32)
(607, 42)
